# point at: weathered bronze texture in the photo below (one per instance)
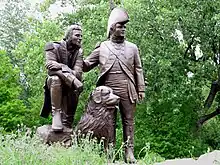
(48, 136)
(121, 70)
(97, 119)
(64, 62)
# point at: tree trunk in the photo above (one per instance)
(213, 91)
(214, 88)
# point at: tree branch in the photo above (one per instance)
(214, 89)
(203, 119)
(161, 37)
(189, 46)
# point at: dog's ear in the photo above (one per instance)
(96, 95)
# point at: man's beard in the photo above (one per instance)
(117, 39)
(71, 46)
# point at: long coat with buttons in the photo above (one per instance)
(105, 55)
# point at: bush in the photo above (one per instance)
(12, 108)
(23, 148)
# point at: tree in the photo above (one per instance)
(13, 24)
(12, 109)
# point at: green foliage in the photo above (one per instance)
(94, 22)
(25, 147)
(149, 156)
(13, 24)
(12, 109)
(90, 2)
(46, 4)
(210, 133)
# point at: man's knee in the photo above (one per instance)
(54, 80)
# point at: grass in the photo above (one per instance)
(25, 148)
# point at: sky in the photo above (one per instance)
(54, 9)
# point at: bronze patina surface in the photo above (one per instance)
(64, 62)
(121, 70)
(97, 119)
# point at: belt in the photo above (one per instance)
(115, 72)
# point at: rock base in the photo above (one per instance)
(48, 136)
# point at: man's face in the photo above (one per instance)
(76, 37)
(120, 30)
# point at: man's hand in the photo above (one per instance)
(78, 85)
(141, 96)
(53, 65)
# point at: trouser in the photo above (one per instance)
(63, 99)
(119, 84)
(127, 115)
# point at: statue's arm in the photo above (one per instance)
(139, 76)
(92, 60)
(51, 58)
(52, 64)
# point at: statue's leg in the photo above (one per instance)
(109, 147)
(55, 85)
(112, 130)
(127, 114)
(70, 102)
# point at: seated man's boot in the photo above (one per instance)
(54, 82)
(57, 125)
(129, 155)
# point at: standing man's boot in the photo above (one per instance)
(129, 155)
(129, 144)
(56, 100)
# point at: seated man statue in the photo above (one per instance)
(63, 85)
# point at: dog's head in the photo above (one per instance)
(96, 118)
(104, 95)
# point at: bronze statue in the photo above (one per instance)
(64, 62)
(97, 118)
(121, 70)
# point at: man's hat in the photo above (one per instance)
(118, 15)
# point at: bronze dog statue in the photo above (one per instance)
(97, 118)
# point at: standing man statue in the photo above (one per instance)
(120, 69)
(64, 62)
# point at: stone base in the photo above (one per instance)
(48, 136)
(211, 158)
